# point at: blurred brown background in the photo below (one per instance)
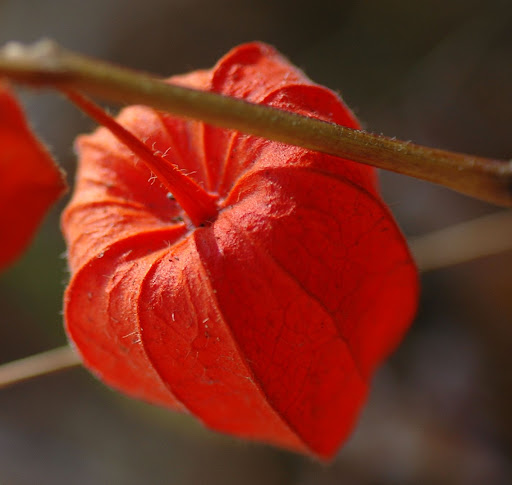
(436, 72)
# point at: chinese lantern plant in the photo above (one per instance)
(30, 180)
(253, 314)
(253, 283)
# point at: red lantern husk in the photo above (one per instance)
(266, 323)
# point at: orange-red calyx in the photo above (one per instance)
(200, 206)
(30, 180)
(258, 324)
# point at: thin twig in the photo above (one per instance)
(461, 243)
(36, 365)
(45, 64)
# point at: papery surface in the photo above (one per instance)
(30, 181)
(267, 324)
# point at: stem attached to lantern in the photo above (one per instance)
(45, 64)
(199, 205)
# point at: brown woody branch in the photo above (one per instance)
(46, 64)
